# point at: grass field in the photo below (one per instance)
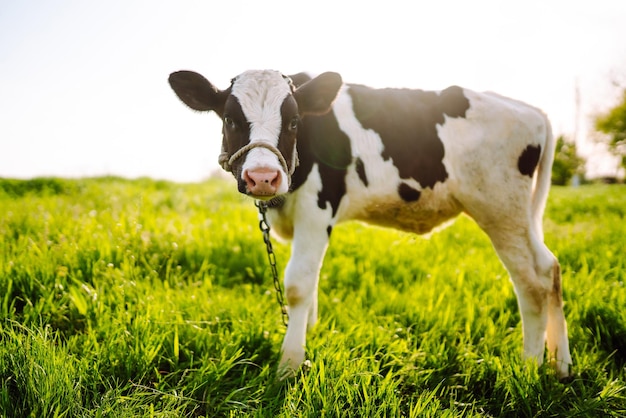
(142, 298)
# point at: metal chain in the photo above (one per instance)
(271, 257)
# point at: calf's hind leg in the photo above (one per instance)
(535, 274)
(558, 343)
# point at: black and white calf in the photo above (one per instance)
(321, 152)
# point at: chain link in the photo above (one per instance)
(271, 257)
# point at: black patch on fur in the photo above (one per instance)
(453, 102)
(287, 138)
(329, 230)
(407, 193)
(321, 141)
(360, 170)
(235, 137)
(406, 121)
(528, 160)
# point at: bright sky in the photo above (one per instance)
(83, 85)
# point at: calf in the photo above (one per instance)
(320, 152)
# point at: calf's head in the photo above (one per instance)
(261, 112)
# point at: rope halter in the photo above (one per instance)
(226, 161)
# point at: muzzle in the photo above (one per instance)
(227, 161)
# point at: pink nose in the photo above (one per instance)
(262, 181)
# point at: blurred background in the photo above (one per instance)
(83, 85)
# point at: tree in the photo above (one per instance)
(567, 162)
(613, 123)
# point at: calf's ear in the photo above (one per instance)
(317, 95)
(197, 92)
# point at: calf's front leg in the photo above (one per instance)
(301, 280)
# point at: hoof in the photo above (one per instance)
(286, 371)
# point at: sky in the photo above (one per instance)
(84, 92)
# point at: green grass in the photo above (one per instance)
(141, 298)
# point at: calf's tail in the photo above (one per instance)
(542, 180)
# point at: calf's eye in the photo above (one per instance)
(293, 124)
(229, 122)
